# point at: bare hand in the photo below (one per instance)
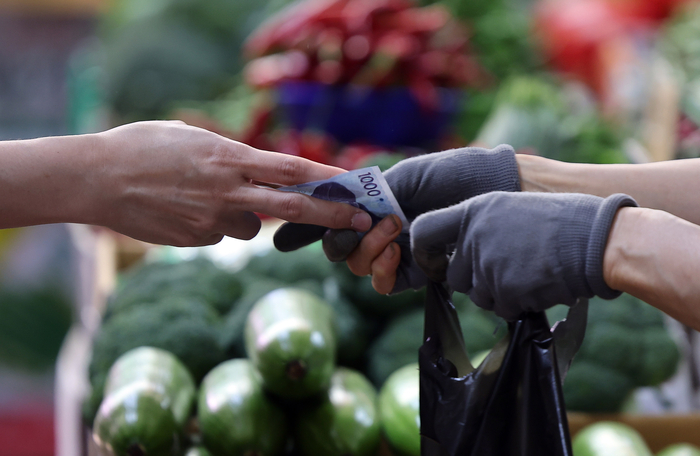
(170, 183)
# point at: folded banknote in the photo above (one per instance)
(363, 188)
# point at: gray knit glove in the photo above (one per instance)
(420, 184)
(519, 252)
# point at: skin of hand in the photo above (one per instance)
(162, 182)
(378, 255)
(655, 256)
(670, 186)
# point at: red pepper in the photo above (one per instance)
(329, 43)
(464, 70)
(328, 72)
(363, 15)
(434, 63)
(391, 50)
(357, 47)
(417, 20)
(288, 23)
(655, 11)
(265, 71)
(453, 37)
(270, 70)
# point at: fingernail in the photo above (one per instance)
(361, 221)
(388, 226)
(389, 252)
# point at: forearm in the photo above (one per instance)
(45, 180)
(656, 257)
(670, 186)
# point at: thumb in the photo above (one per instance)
(433, 238)
(292, 236)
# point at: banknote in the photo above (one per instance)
(364, 188)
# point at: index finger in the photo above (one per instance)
(432, 234)
(299, 208)
(283, 169)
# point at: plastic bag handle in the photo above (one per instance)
(568, 335)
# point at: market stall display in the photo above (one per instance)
(356, 83)
(286, 295)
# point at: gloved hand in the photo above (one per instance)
(519, 252)
(420, 184)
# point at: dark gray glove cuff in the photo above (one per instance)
(599, 240)
(493, 171)
(582, 241)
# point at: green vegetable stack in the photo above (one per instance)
(247, 406)
(174, 307)
(626, 346)
(287, 347)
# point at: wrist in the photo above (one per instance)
(598, 242)
(540, 174)
(623, 226)
(90, 202)
(72, 163)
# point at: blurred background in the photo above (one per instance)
(346, 82)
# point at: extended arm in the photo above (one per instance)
(160, 182)
(671, 186)
(655, 256)
(45, 180)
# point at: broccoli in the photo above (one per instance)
(398, 345)
(186, 328)
(533, 112)
(156, 61)
(626, 346)
(309, 263)
(198, 279)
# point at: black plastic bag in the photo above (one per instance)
(512, 404)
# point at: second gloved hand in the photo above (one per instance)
(519, 252)
(421, 184)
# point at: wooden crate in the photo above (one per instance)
(659, 431)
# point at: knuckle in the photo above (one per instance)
(339, 218)
(358, 266)
(204, 225)
(222, 153)
(290, 168)
(291, 208)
